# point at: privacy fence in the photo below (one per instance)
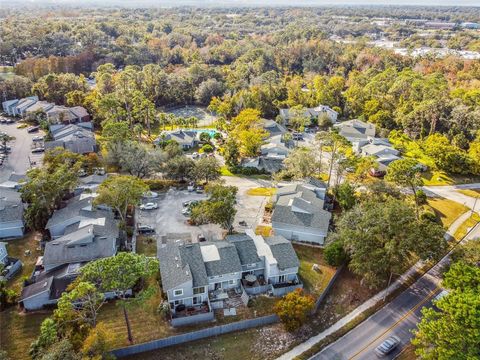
(215, 330)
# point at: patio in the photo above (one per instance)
(255, 285)
(191, 310)
(229, 298)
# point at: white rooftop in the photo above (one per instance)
(210, 253)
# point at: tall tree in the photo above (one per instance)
(120, 192)
(381, 238)
(120, 274)
(406, 173)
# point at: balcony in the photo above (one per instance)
(280, 289)
(255, 286)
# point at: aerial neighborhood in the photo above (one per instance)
(239, 182)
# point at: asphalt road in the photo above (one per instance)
(397, 318)
(18, 159)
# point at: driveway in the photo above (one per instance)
(168, 218)
(249, 208)
(18, 160)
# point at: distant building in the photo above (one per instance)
(72, 137)
(185, 138)
(312, 113)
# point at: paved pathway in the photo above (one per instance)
(450, 192)
(387, 315)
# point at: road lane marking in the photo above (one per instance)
(407, 314)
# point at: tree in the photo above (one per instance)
(59, 156)
(120, 274)
(48, 337)
(43, 191)
(452, 331)
(62, 350)
(91, 301)
(337, 143)
(135, 158)
(115, 131)
(294, 308)
(208, 90)
(406, 173)
(207, 169)
(231, 153)
(468, 252)
(8, 296)
(301, 163)
(381, 238)
(345, 195)
(98, 344)
(335, 254)
(298, 118)
(219, 208)
(204, 137)
(120, 192)
(179, 167)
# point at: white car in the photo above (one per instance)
(149, 206)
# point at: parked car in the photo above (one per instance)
(186, 211)
(195, 155)
(99, 171)
(387, 346)
(38, 150)
(191, 187)
(3, 120)
(9, 121)
(199, 190)
(201, 238)
(21, 126)
(149, 206)
(150, 195)
(82, 173)
(145, 229)
(32, 129)
(37, 138)
(297, 136)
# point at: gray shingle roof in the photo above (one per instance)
(83, 244)
(229, 261)
(72, 209)
(299, 206)
(10, 211)
(283, 252)
(246, 249)
(37, 288)
(181, 263)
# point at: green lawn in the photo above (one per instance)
(467, 225)
(18, 331)
(314, 281)
(475, 193)
(146, 245)
(261, 191)
(16, 248)
(447, 211)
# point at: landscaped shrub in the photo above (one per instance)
(207, 148)
(335, 254)
(421, 197)
(160, 184)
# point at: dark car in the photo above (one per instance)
(387, 346)
(38, 150)
(145, 229)
(32, 129)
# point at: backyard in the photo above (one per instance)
(146, 245)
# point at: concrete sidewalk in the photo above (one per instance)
(408, 275)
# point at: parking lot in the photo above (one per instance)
(168, 218)
(20, 158)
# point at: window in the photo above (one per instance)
(199, 290)
(231, 282)
(250, 265)
(196, 300)
(178, 292)
(282, 278)
(178, 302)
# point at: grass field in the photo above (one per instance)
(18, 331)
(475, 193)
(146, 245)
(263, 230)
(466, 226)
(314, 281)
(261, 191)
(16, 249)
(446, 210)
